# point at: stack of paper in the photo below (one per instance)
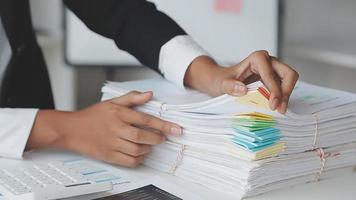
(238, 145)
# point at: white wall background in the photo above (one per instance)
(320, 41)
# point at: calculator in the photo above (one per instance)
(46, 181)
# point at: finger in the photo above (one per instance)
(123, 159)
(262, 65)
(131, 148)
(234, 87)
(133, 98)
(289, 78)
(244, 74)
(141, 136)
(145, 120)
(242, 70)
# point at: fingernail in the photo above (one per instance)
(164, 139)
(147, 92)
(176, 130)
(239, 88)
(274, 104)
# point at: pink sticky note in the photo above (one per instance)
(234, 6)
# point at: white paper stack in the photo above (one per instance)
(238, 145)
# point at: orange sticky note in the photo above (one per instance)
(264, 92)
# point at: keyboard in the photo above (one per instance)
(46, 181)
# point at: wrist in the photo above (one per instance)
(202, 74)
(47, 130)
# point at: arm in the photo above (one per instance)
(135, 25)
(140, 29)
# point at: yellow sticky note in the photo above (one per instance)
(255, 115)
(258, 115)
(254, 98)
(270, 151)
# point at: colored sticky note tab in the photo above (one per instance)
(253, 125)
(264, 92)
(255, 146)
(259, 134)
(270, 151)
(261, 116)
(266, 131)
(254, 139)
(243, 137)
(253, 121)
(254, 115)
(254, 98)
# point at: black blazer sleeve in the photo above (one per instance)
(136, 26)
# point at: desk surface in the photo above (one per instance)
(343, 187)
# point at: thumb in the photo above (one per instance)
(234, 87)
(133, 98)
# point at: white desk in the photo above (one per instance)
(343, 187)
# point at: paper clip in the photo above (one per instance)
(178, 159)
(316, 134)
(162, 109)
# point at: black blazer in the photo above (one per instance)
(135, 26)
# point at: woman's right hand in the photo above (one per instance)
(110, 131)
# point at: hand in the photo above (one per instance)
(110, 131)
(205, 75)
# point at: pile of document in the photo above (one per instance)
(237, 145)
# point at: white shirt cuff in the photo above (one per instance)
(15, 129)
(176, 56)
